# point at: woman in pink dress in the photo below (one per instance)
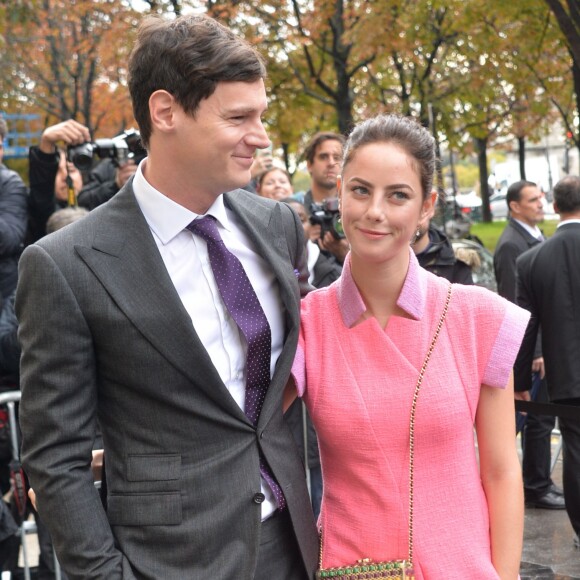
(363, 343)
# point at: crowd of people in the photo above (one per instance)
(279, 382)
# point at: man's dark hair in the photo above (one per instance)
(317, 140)
(567, 194)
(186, 57)
(514, 192)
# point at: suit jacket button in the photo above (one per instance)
(259, 498)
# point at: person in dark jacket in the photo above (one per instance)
(435, 253)
(104, 181)
(13, 220)
(9, 381)
(48, 170)
(323, 267)
(522, 232)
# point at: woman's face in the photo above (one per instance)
(60, 186)
(381, 202)
(276, 185)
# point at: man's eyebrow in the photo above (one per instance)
(244, 110)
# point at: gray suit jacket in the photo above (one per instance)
(105, 336)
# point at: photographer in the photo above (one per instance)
(48, 170)
(105, 180)
(323, 155)
(120, 158)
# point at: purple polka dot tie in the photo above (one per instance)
(244, 307)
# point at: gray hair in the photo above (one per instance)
(64, 217)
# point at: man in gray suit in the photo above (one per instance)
(124, 324)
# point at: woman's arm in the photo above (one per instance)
(290, 394)
(501, 477)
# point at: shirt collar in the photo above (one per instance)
(412, 298)
(534, 231)
(570, 221)
(165, 217)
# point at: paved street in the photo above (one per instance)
(549, 552)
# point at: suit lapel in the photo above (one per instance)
(125, 259)
(528, 238)
(265, 227)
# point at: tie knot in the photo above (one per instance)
(205, 227)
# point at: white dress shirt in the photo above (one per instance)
(186, 259)
(534, 231)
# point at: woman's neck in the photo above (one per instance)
(380, 285)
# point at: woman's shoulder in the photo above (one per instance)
(319, 296)
(475, 308)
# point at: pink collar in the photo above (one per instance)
(412, 298)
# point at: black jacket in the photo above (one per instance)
(326, 270)
(101, 186)
(42, 203)
(440, 259)
(514, 241)
(13, 223)
(548, 285)
(9, 347)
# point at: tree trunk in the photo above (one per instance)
(522, 156)
(481, 146)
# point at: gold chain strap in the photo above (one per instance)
(412, 420)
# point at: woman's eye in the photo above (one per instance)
(400, 195)
(360, 190)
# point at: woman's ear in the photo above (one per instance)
(339, 191)
(428, 209)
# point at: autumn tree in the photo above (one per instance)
(68, 60)
(567, 15)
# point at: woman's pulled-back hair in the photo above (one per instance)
(404, 132)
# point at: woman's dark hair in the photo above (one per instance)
(405, 132)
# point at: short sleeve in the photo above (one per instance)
(506, 346)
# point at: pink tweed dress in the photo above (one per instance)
(358, 381)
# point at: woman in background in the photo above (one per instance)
(274, 183)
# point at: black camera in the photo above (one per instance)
(327, 216)
(119, 149)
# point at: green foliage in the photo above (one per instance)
(489, 233)
(467, 176)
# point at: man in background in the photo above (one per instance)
(323, 154)
(526, 211)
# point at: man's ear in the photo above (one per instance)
(162, 111)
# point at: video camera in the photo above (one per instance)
(120, 149)
(327, 216)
